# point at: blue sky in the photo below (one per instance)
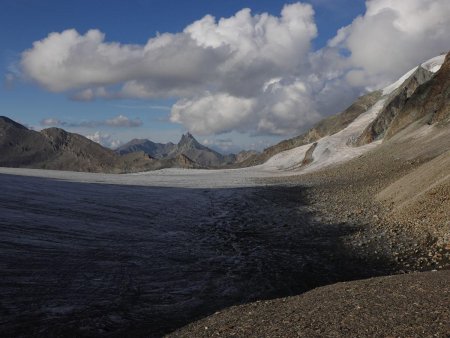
(27, 98)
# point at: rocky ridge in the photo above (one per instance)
(394, 104)
(155, 150)
(327, 126)
(188, 147)
(56, 149)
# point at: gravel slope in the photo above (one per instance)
(414, 305)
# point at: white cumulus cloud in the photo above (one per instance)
(392, 37)
(104, 139)
(251, 73)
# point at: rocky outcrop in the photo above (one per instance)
(200, 154)
(309, 155)
(57, 149)
(430, 103)
(182, 161)
(424, 98)
(394, 104)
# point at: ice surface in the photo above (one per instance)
(125, 258)
(182, 178)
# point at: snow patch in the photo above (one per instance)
(434, 64)
(286, 159)
(330, 150)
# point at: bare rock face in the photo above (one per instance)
(76, 152)
(424, 98)
(429, 104)
(395, 103)
(309, 155)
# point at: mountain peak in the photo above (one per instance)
(188, 139)
(187, 136)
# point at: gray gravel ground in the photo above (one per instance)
(413, 305)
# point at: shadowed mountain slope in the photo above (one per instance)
(57, 149)
(20, 146)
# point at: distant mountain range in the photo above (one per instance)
(54, 148)
(57, 149)
(188, 146)
(421, 96)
